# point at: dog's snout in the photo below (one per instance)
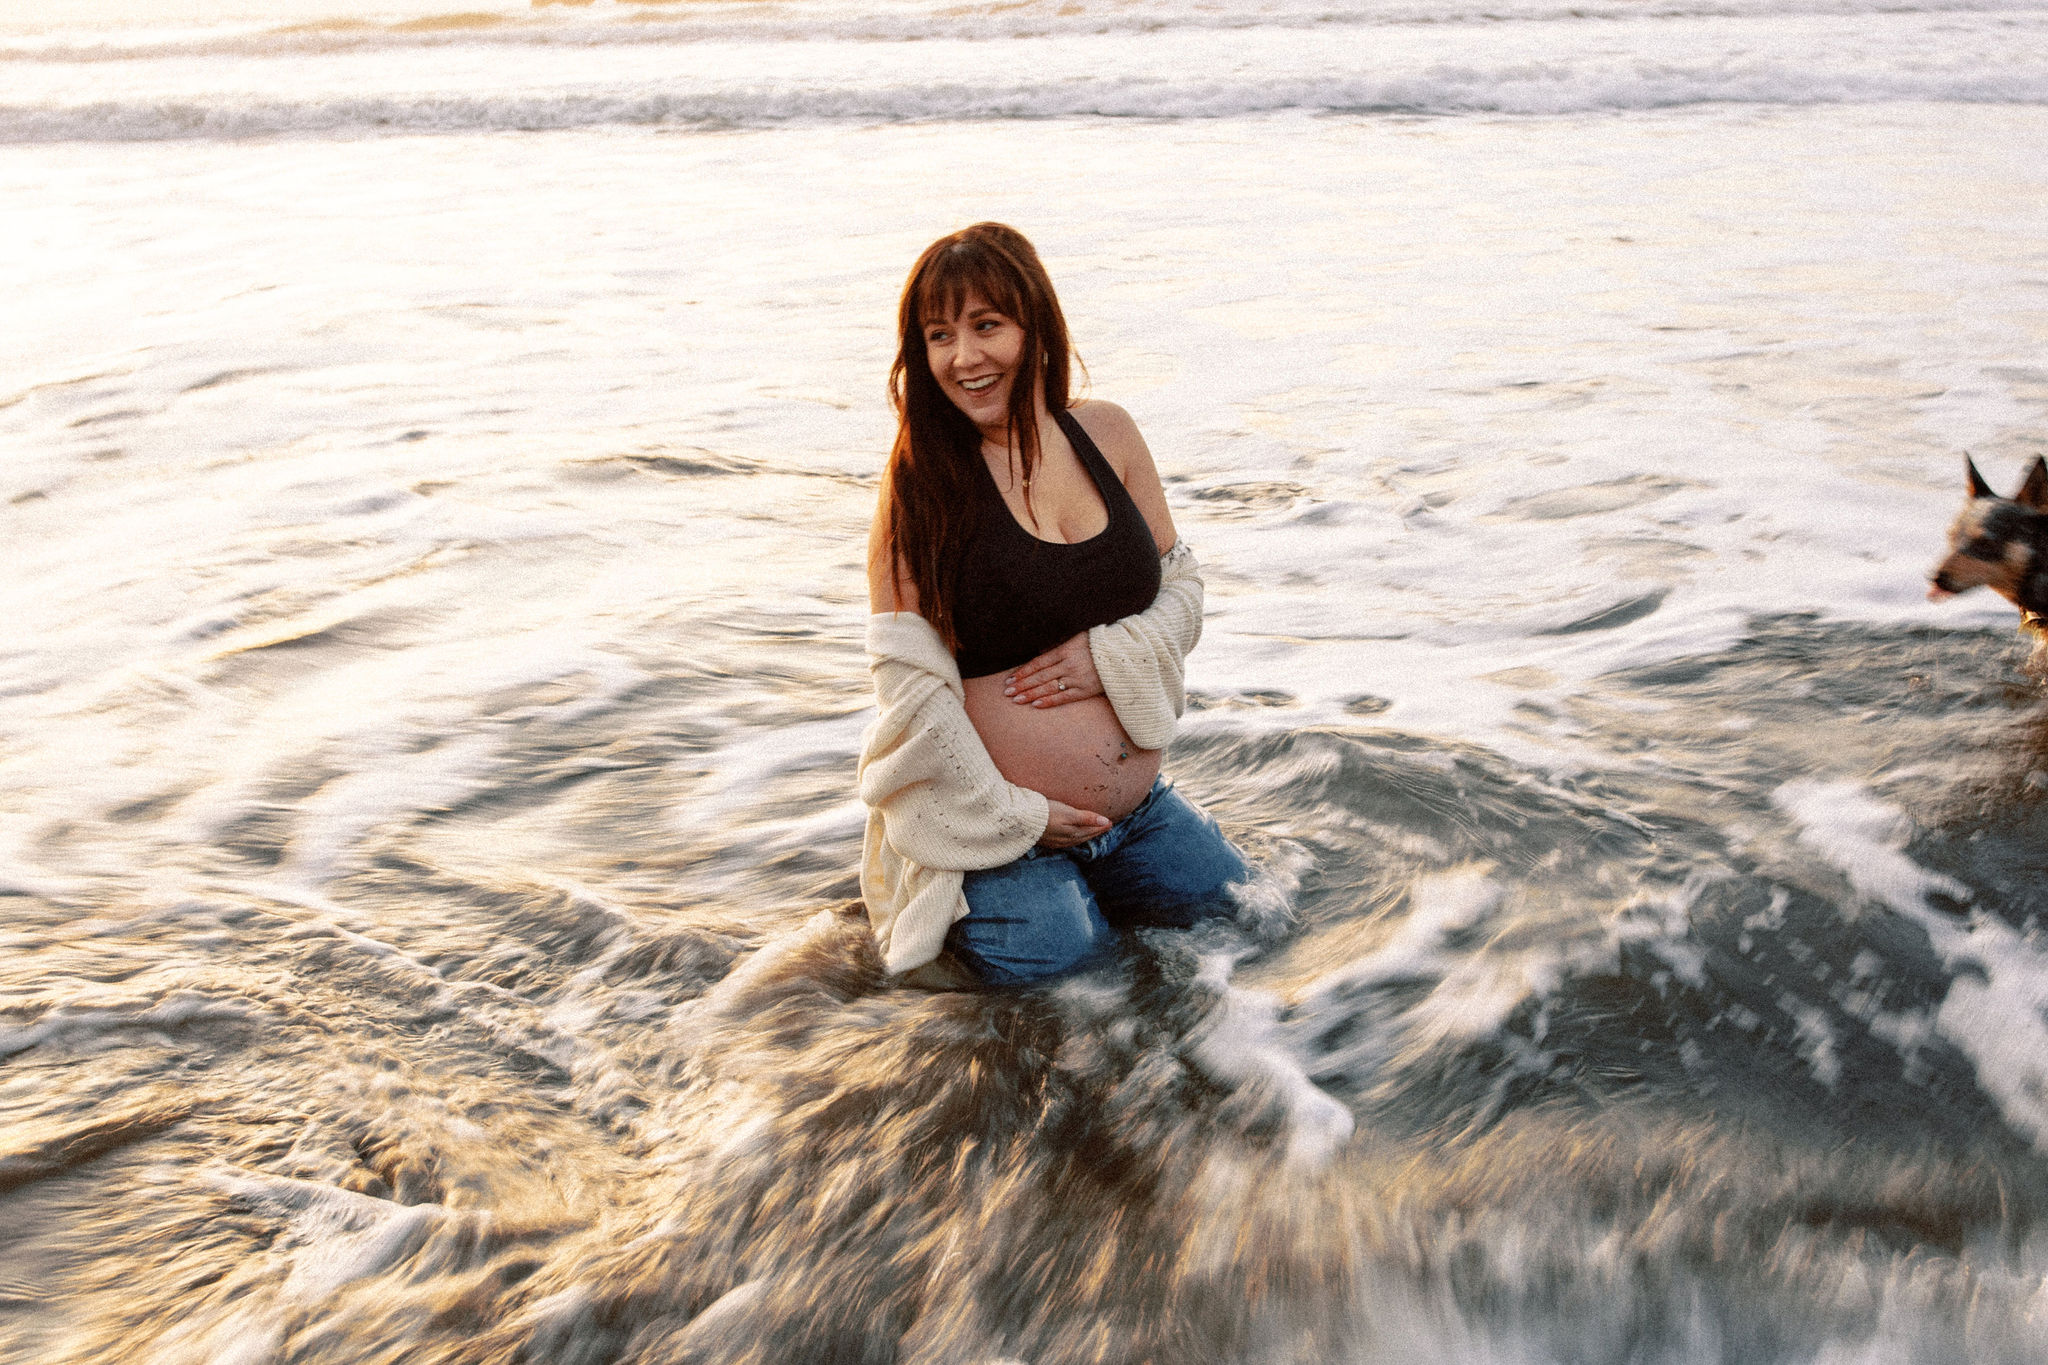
(1941, 580)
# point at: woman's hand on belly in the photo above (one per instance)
(1076, 754)
(1068, 826)
(1062, 675)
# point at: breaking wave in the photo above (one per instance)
(657, 22)
(1530, 89)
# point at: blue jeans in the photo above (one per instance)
(1055, 910)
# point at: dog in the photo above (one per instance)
(2001, 544)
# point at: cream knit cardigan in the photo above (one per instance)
(937, 807)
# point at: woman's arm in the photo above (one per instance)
(889, 586)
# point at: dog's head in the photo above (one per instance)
(1993, 541)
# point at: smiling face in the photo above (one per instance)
(976, 356)
(980, 336)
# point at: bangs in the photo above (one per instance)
(963, 269)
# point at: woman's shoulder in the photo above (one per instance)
(1114, 434)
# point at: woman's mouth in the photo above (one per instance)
(980, 385)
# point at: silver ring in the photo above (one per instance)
(1062, 682)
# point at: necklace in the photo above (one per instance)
(1023, 475)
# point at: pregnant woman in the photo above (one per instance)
(1032, 608)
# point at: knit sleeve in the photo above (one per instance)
(937, 806)
(924, 768)
(1140, 658)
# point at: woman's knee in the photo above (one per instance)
(1029, 921)
(1176, 870)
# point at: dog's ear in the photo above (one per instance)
(1978, 488)
(2034, 492)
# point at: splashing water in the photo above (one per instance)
(437, 472)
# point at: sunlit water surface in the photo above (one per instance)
(432, 597)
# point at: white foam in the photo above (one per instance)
(259, 28)
(334, 1236)
(74, 1023)
(1442, 90)
(1998, 1019)
(1866, 839)
(1813, 1035)
(490, 80)
(1240, 1041)
(1472, 995)
(1460, 986)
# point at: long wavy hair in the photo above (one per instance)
(928, 490)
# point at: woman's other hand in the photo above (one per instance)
(1068, 825)
(1062, 674)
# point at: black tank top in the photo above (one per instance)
(1019, 595)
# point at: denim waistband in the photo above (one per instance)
(1106, 842)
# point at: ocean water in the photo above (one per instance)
(436, 447)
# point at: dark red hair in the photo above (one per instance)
(928, 490)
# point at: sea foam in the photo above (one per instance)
(782, 67)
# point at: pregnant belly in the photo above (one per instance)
(1077, 753)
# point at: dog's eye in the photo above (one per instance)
(1981, 548)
